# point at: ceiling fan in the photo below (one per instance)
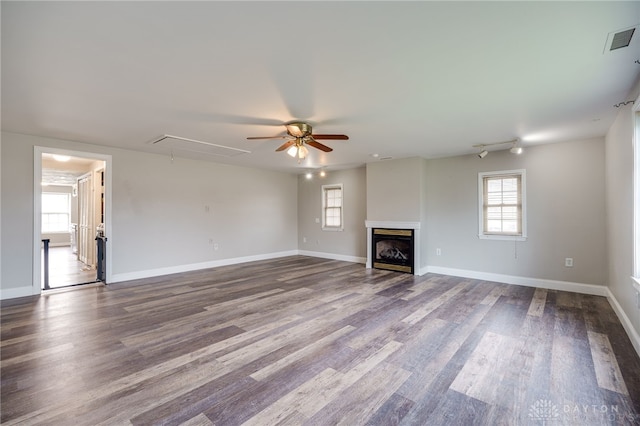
(300, 134)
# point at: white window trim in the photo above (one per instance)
(481, 233)
(324, 226)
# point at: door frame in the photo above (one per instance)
(37, 208)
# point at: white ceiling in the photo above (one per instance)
(401, 79)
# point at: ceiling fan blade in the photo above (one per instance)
(286, 145)
(318, 145)
(334, 137)
(266, 137)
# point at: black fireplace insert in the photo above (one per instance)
(392, 249)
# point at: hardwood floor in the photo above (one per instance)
(65, 269)
(311, 341)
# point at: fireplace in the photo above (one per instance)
(391, 225)
(392, 249)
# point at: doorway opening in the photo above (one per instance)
(71, 218)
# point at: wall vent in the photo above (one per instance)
(177, 144)
(619, 39)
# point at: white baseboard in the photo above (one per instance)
(596, 290)
(625, 320)
(13, 293)
(333, 256)
(149, 273)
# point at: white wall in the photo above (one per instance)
(160, 223)
(349, 244)
(619, 202)
(565, 196)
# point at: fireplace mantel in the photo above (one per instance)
(395, 225)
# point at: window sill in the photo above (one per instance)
(636, 283)
(503, 237)
(333, 229)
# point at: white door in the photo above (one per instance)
(86, 228)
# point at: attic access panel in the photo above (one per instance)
(177, 144)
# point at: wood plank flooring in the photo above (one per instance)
(66, 270)
(308, 341)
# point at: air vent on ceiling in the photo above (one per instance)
(619, 39)
(177, 144)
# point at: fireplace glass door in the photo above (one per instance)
(393, 249)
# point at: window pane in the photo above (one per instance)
(55, 212)
(510, 198)
(493, 198)
(510, 184)
(510, 226)
(494, 225)
(494, 185)
(53, 203)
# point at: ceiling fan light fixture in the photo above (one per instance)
(299, 135)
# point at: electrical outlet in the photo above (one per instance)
(568, 262)
(438, 252)
(216, 246)
(304, 239)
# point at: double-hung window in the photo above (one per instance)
(56, 212)
(332, 214)
(502, 213)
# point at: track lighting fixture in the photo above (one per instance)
(515, 148)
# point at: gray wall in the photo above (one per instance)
(394, 190)
(351, 242)
(159, 214)
(619, 202)
(565, 195)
